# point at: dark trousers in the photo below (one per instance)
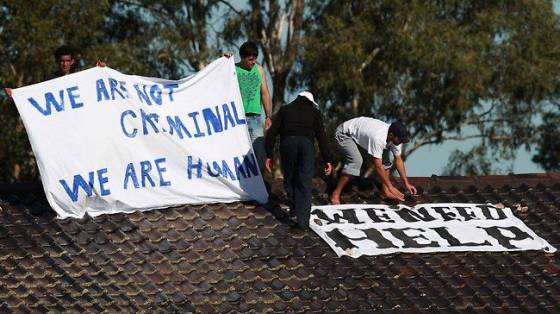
(298, 164)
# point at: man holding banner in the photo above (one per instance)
(64, 57)
(255, 95)
(377, 138)
(138, 143)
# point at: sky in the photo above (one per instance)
(432, 159)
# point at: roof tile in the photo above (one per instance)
(237, 257)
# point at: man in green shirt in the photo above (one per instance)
(256, 97)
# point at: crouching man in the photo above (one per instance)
(377, 138)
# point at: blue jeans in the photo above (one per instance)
(298, 164)
(255, 125)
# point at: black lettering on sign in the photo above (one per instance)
(442, 231)
(409, 240)
(505, 241)
(446, 215)
(373, 215)
(347, 214)
(340, 240)
(491, 212)
(421, 214)
(376, 236)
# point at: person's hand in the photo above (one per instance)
(267, 123)
(268, 164)
(411, 189)
(8, 91)
(392, 193)
(100, 64)
(228, 54)
(328, 169)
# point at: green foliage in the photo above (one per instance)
(475, 162)
(151, 38)
(548, 141)
(30, 31)
(184, 35)
(445, 68)
(277, 27)
(16, 158)
(451, 70)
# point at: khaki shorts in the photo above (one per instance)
(352, 158)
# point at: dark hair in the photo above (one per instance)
(63, 51)
(399, 130)
(249, 49)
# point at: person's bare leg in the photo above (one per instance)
(342, 182)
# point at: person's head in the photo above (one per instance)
(397, 133)
(64, 58)
(308, 97)
(248, 53)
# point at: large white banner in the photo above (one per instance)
(107, 142)
(357, 230)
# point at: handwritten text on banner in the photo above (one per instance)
(107, 142)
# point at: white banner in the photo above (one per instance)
(107, 142)
(357, 230)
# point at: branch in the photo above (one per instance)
(368, 59)
(488, 111)
(231, 7)
(489, 121)
(556, 103)
(14, 72)
(455, 138)
(294, 32)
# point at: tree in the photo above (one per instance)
(451, 70)
(474, 162)
(184, 38)
(151, 38)
(30, 32)
(548, 142)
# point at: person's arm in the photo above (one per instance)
(270, 138)
(100, 64)
(399, 164)
(322, 139)
(265, 99)
(388, 189)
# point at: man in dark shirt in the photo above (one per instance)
(64, 58)
(298, 124)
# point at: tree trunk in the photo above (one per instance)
(279, 90)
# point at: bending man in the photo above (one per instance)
(377, 138)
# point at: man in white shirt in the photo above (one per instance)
(377, 138)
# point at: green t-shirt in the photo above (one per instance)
(250, 88)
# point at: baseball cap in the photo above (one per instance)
(310, 97)
(399, 130)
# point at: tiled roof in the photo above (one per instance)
(238, 257)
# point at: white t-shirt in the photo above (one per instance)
(371, 134)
